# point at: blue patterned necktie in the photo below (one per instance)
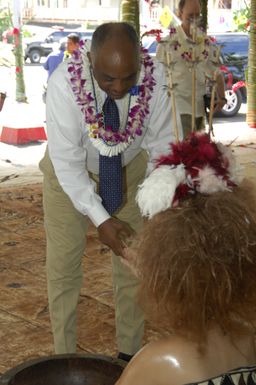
(110, 167)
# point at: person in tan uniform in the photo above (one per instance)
(181, 47)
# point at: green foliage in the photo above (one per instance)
(130, 13)
(5, 20)
(26, 33)
(241, 18)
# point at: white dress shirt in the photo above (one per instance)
(72, 152)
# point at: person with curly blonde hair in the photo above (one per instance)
(196, 259)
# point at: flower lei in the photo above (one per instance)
(88, 97)
(195, 165)
(182, 48)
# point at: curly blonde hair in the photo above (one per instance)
(197, 264)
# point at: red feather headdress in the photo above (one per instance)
(196, 164)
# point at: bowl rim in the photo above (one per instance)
(11, 373)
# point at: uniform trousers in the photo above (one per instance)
(66, 230)
(186, 121)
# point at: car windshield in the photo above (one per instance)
(234, 50)
(233, 45)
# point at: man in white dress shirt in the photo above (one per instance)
(113, 66)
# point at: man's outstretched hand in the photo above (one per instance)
(113, 233)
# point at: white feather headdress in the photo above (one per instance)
(196, 164)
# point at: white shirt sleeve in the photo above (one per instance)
(160, 125)
(67, 138)
(65, 130)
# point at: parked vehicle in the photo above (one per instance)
(35, 49)
(234, 62)
(234, 58)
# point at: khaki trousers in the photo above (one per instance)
(66, 241)
(186, 121)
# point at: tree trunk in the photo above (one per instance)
(204, 8)
(251, 80)
(18, 53)
(130, 13)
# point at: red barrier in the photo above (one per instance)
(22, 135)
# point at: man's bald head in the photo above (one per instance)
(115, 58)
(117, 31)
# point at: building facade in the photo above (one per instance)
(89, 12)
(94, 12)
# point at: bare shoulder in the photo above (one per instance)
(157, 363)
(177, 361)
(141, 370)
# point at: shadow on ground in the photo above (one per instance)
(240, 118)
(24, 318)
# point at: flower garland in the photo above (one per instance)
(194, 165)
(153, 32)
(88, 97)
(181, 47)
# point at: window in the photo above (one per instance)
(224, 4)
(234, 52)
(234, 45)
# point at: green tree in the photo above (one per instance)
(241, 18)
(130, 13)
(251, 83)
(5, 21)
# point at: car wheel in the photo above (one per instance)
(233, 105)
(35, 56)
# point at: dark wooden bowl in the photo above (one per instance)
(65, 369)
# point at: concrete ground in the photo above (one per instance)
(24, 317)
(25, 331)
(19, 163)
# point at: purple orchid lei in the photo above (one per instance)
(108, 142)
(203, 42)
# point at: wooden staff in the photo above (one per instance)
(214, 89)
(193, 74)
(213, 93)
(168, 62)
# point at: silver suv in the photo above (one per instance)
(36, 49)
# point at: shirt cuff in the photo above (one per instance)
(98, 215)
